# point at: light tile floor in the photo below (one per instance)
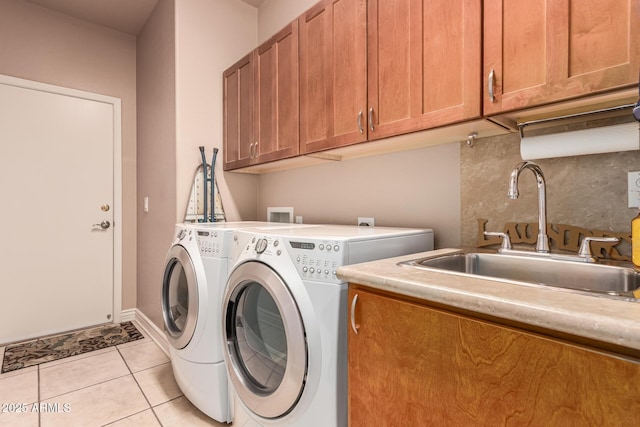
(128, 385)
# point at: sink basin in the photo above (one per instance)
(536, 270)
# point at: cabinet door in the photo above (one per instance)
(333, 80)
(423, 64)
(276, 96)
(411, 365)
(238, 139)
(542, 51)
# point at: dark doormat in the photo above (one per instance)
(22, 355)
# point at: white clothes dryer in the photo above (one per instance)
(285, 320)
(196, 270)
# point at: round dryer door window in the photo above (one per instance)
(179, 297)
(266, 346)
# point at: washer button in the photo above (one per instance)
(336, 248)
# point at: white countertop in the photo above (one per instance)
(599, 318)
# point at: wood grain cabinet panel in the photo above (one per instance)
(276, 96)
(413, 365)
(423, 64)
(261, 104)
(542, 51)
(333, 79)
(238, 82)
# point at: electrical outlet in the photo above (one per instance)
(365, 221)
(633, 187)
(298, 219)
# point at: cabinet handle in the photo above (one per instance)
(491, 82)
(251, 150)
(353, 314)
(255, 150)
(371, 119)
(360, 122)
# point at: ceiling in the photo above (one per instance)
(127, 16)
(255, 3)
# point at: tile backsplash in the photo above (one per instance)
(585, 191)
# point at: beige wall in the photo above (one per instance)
(273, 15)
(418, 188)
(156, 153)
(41, 45)
(204, 29)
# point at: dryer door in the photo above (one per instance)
(179, 297)
(266, 351)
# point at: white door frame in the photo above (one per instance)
(117, 172)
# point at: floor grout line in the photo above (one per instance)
(140, 387)
(87, 386)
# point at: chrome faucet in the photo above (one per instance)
(542, 244)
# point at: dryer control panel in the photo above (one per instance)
(314, 259)
(317, 259)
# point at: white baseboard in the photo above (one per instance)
(128, 315)
(149, 329)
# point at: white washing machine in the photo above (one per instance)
(197, 267)
(285, 320)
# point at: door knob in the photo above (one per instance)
(104, 225)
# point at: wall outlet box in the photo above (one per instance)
(634, 189)
(365, 221)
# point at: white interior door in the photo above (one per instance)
(56, 183)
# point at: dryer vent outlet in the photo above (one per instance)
(365, 221)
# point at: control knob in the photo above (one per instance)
(261, 245)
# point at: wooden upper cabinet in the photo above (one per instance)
(276, 125)
(413, 365)
(333, 75)
(543, 51)
(423, 64)
(238, 83)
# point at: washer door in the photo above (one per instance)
(179, 297)
(266, 346)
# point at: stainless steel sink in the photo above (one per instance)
(536, 270)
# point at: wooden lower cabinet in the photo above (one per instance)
(414, 365)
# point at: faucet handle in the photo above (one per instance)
(585, 246)
(506, 240)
